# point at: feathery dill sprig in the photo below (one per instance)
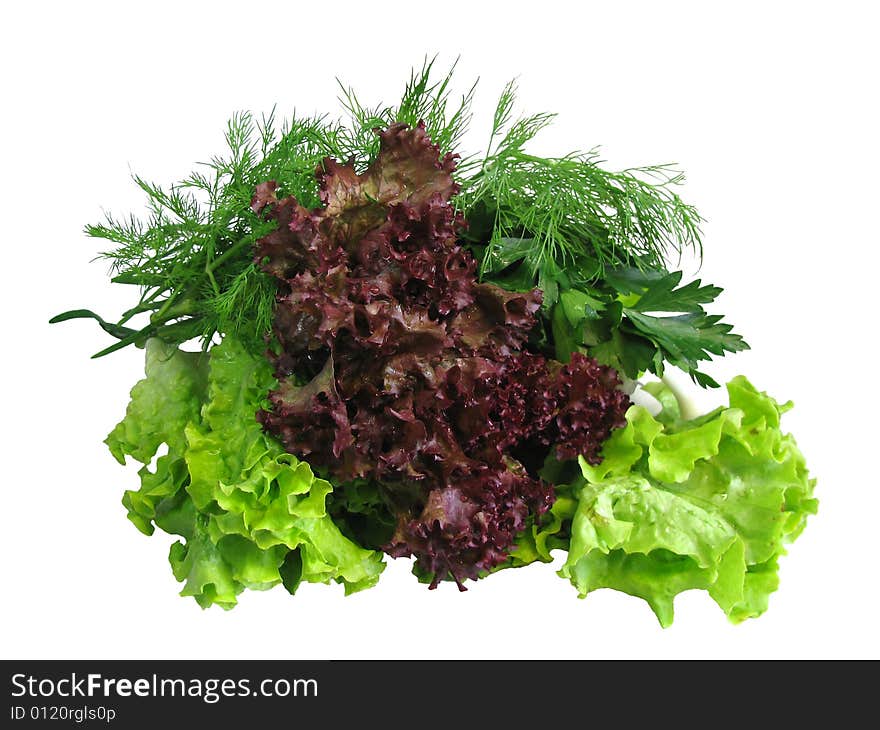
(191, 256)
(570, 209)
(424, 99)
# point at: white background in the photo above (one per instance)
(771, 108)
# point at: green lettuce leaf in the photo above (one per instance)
(249, 514)
(677, 505)
(162, 404)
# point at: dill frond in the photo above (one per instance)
(424, 99)
(191, 254)
(571, 208)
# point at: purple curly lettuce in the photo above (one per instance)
(396, 365)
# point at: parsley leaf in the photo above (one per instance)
(640, 320)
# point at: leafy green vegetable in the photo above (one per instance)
(161, 406)
(335, 265)
(251, 515)
(192, 257)
(676, 505)
(616, 321)
(570, 220)
(614, 317)
(572, 212)
(596, 243)
(423, 100)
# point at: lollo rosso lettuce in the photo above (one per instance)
(396, 366)
(250, 515)
(677, 505)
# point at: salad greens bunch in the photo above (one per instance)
(404, 352)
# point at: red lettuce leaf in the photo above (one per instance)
(397, 367)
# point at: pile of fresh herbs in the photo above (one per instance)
(408, 352)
